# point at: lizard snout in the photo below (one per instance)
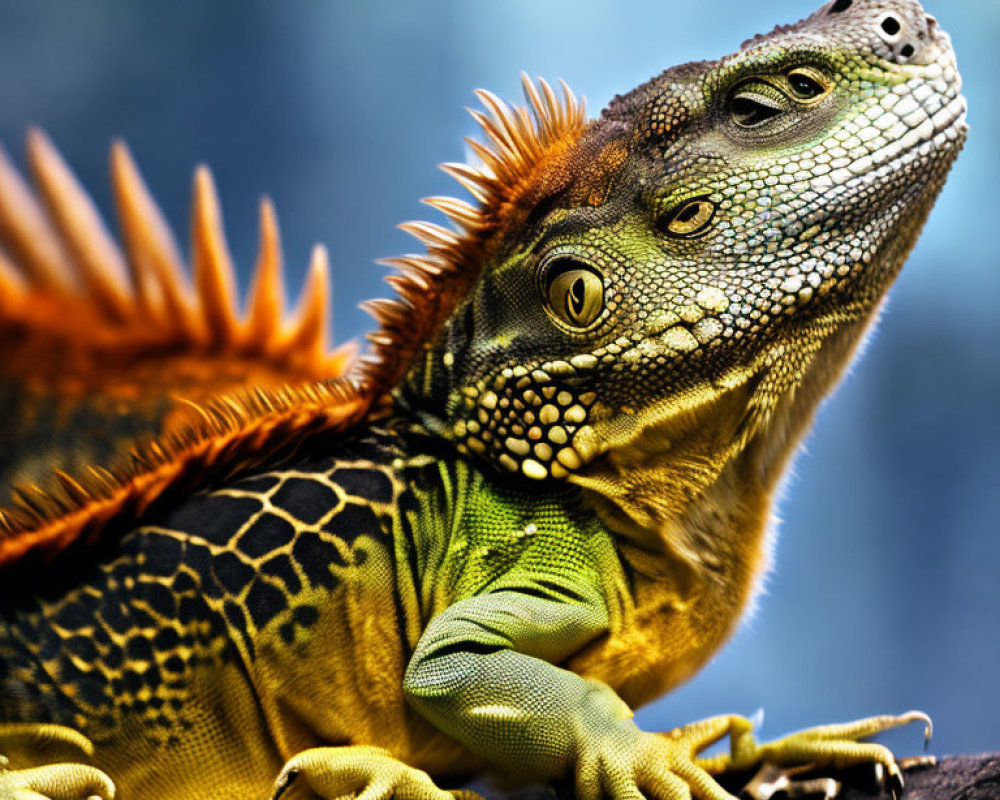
(899, 31)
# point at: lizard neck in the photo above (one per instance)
(663, 489)
(428, 390)
(693, 519)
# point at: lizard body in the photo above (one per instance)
(546, 501)
(229, 607)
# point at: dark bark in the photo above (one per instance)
(951, 778)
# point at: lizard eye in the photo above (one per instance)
(749, 109)
(575, 291)
(688, 220)
(806, 84)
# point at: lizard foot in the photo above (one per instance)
(367, 773)
(837, 746)
(642, 765)
(53, 781)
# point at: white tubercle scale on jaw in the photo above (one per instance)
(527, 418)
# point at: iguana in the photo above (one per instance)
(539, 503)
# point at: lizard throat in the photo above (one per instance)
(658, 480)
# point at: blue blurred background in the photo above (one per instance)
(886, 593)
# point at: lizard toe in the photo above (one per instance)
(367, 773)
(56, 782)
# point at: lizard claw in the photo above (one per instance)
(890, 777)
(284, 780)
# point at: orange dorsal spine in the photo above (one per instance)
(132, 328)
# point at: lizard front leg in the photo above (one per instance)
(481, 672)
(484, 672)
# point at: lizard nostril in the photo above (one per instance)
(891, 30)
(840, 5)
(891, 26)
(902, 37)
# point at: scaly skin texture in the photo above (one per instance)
(563, 514)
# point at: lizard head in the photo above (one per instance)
(689, 273)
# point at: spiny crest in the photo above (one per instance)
(429, 285)
(93, 331)
(208, 442)
(65, 276)
(67, 264)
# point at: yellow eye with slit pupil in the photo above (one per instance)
(689, 219)
(575, 294)
(807, 84)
